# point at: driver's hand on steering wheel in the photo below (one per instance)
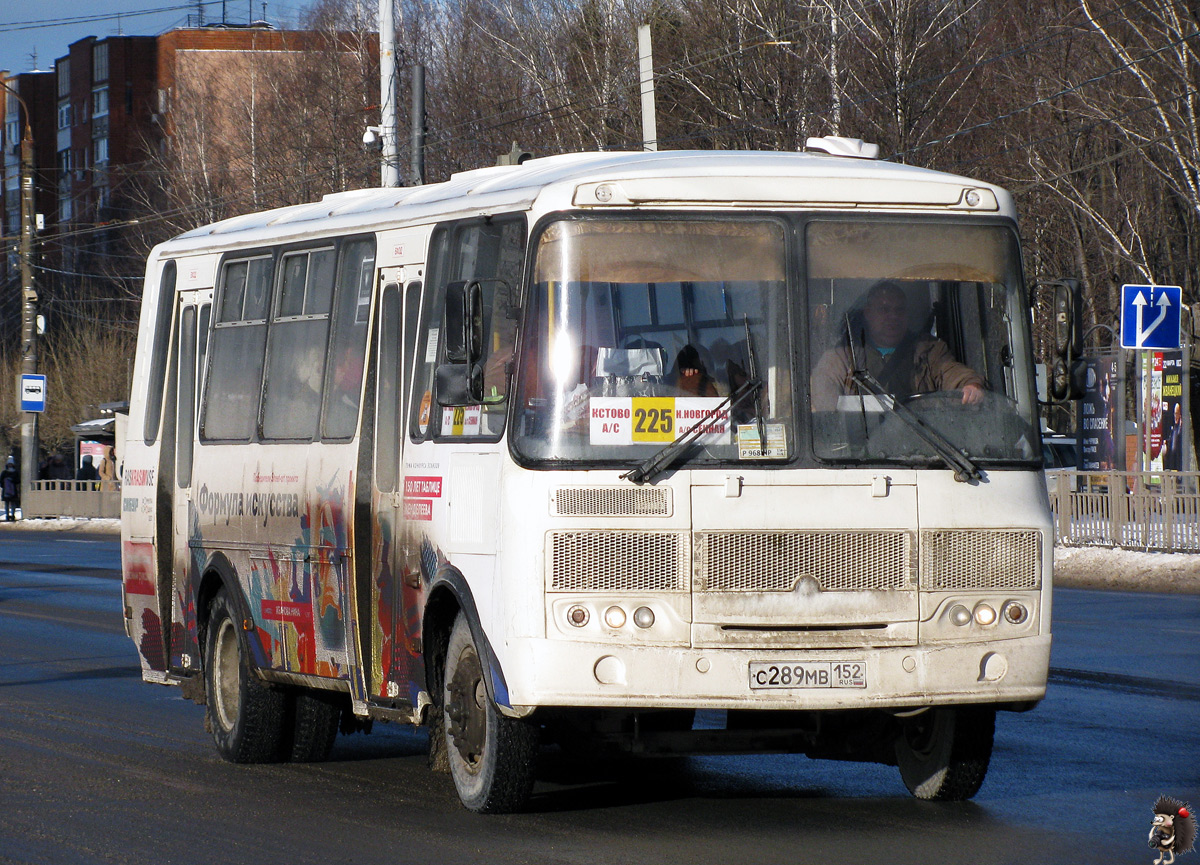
(972, 395)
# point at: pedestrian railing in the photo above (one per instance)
(1157, 511)
(71, 499)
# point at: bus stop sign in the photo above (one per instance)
(1150, 316)
(33, 393)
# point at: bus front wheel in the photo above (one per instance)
(943, 753)
(491, 756)
(244, 716)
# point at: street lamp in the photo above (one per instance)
(29, 299)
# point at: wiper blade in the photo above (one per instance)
(964, 469)
(660, 461)
(759, 420)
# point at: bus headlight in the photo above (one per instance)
(960, 615)
(985, 614)
(1015, 612)
(643, 617)
(614, 617)
(578, 616)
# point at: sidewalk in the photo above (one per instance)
(62, 524)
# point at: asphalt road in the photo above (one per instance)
(97, 766)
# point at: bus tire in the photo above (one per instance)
(943, 753)
(316, 716)
(491, 756)
(243, 714)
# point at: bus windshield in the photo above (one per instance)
(918, 335)
(640, 329)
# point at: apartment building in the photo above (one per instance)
(117, 124)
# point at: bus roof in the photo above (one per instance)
(596, 180)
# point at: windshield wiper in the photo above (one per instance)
(964, 469)
(660, 461)
(760, 421)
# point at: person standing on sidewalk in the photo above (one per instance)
(10, 489)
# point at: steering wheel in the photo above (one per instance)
(954, 397)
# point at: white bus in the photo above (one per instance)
(567, 452)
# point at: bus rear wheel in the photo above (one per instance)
(491, 756)
(244, 716)
(316, 717)
(943, 753)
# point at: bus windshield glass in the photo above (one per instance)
(917, 328)
(638, 330)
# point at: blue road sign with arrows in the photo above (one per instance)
(1150, 316)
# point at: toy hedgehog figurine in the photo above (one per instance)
(1174, 829)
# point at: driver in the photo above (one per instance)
(903, 361)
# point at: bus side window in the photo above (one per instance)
(158, 354)
(239, 336)
(427, 329)
(297, 345)
(491, 252)
(347, 350)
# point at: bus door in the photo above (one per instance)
(191, 337)
(396, 674)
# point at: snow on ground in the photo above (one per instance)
(1129, 570)
(1075, 567)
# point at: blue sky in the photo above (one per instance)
(48, 27)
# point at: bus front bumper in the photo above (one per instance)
(544, 673)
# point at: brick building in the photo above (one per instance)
(113, 164)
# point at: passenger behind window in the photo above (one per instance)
(690, 374)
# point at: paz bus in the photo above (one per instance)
(551, 454)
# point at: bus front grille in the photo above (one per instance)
(981, 559)
(611, 502)
(618, 561)
(778, 561)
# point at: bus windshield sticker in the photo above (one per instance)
(431, 346)
(654, 420)
(749, 447)
(463, 420)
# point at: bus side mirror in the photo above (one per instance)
(464, 322)
(1065, 371)
(459, 384)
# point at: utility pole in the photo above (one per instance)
(417, 132)
(646, 70)
(390, 154)
(29, 299)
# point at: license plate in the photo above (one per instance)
(808, 674)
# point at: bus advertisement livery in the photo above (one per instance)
(565, 453)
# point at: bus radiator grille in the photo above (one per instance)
(778, 561)
(981, 559)
(618, 561)
(611, 502)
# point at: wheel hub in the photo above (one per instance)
(466, 709)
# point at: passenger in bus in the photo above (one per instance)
(903, 361)
(691, 375)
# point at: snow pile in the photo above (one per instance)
(1129, 570)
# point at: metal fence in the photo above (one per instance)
(1135, 510)
(72, 499)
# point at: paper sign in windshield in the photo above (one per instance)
(656, 420)
(750, 443)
